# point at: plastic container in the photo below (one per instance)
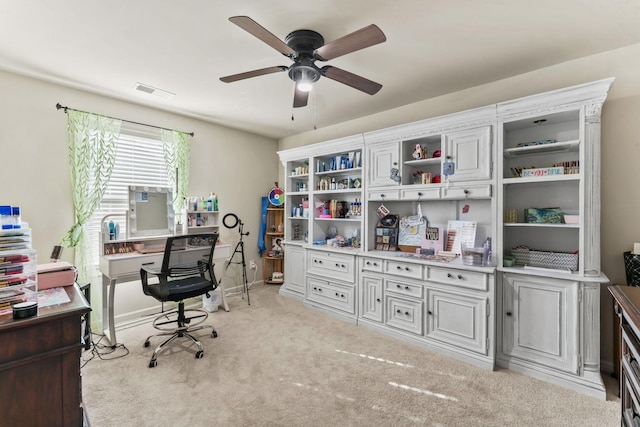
(6, 217)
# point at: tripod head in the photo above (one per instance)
(234, 221)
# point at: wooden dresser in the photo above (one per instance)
(627, 306)
(40, 380)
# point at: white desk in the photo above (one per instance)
(126, 268)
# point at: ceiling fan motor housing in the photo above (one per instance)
(304, 42)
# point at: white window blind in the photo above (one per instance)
(139, 162)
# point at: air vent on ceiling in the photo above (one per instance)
(153, 90)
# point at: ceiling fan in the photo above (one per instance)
(304, 48)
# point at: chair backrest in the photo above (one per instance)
(175, 242)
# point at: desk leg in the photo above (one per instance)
(222, 297)
(108, 325)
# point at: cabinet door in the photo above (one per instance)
(372, 301)
(470, 151)
(540, 320)
(380, 160)
(457, 319)
(294, 268)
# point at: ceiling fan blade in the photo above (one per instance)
(254, 73)
(300, 98)
(364, 37)
(350, 79)
(252, 27)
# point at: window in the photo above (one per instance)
(139, 161)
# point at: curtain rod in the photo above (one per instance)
(61, 107)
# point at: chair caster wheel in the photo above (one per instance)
(146, 343)
(199, 354)
(153, 363)
(214, 334)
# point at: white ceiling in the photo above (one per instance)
(433, 47)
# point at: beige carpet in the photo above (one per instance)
(277, 363)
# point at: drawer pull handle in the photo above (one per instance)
(407, 269)
(368, 263)
(406, 313)
(460, 276)
(341, 295)
(378, 300)
(398, 311)
(398, 286)
(399, 268)
(337, 294)
(406, 288)
(450, 276)
(337, 265)
(429, 313)
(375, 264)
(148, 263)
(508, 313)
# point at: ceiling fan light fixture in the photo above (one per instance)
(305, 74)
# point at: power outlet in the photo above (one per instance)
(252, 265)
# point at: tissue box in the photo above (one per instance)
(56, 274)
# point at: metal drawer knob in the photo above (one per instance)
(378, 300)
(508, 313)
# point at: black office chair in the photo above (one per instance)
(176, 283)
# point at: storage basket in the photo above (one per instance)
(546, 259)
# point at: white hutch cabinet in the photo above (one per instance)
(549, 301)
(539, 316)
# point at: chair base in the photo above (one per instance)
(184, 330)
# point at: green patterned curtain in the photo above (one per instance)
(92, 154)
(176, 149)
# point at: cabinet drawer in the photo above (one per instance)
(126, 266)
(406, 289)
(461, 278)
(429, 193)
(331, 294)
(330, 264)
(404, 269)
(467, 192)
(404, 313)
(629, 393)
(384, 195)
(371, 264)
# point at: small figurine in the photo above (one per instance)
(418, 153)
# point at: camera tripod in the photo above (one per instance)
(239, 249)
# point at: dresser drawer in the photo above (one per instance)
(404, 269)
(335, 295)
(371, 264)
(467, 192)
(405, 289)
(331, 264)
(431, 193)
(405, 314)
(461, 278)
(384, 195)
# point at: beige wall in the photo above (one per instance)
(620, 146)
(239, 167)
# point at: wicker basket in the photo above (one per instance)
(545, 259)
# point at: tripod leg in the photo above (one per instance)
(244, 276)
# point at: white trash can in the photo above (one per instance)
(212, 303)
